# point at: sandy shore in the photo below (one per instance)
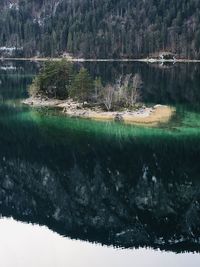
(145, 115)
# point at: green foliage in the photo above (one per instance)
(82, 86)
(34, 88)
(97, 88)
(57, 79)
(102, 29)
(54, 80)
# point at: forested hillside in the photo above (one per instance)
(101, 28)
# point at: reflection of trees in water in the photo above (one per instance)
(103, 205)
(15, 77)
(143, 190)
(136, 192)
(176, 84)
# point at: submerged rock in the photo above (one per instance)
(119, 118)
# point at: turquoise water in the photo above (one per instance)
(118, 185)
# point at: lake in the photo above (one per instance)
(87, 193)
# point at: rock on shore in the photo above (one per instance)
(143, 115)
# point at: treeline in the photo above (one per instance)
(61, 80)
(102, 28)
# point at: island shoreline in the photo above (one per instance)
(142, 115)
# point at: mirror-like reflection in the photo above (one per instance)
(110, 183)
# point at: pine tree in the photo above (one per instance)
(82, 86)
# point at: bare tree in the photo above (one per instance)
(134, 89)
(127, 89)
(108, 96)
(118, 88)
(125, 92)
(97, 88)
(121, 86)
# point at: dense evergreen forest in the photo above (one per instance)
(101, 28)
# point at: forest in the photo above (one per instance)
(101, 28)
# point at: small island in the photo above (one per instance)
(59, 85)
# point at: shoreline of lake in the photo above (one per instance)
(141, 115)
(72, 59)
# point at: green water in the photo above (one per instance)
(95, 180)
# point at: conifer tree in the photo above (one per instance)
(82, 86)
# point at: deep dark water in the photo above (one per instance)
(125, 186)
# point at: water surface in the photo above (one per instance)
(122, 186)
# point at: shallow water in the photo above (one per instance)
(121, 186)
